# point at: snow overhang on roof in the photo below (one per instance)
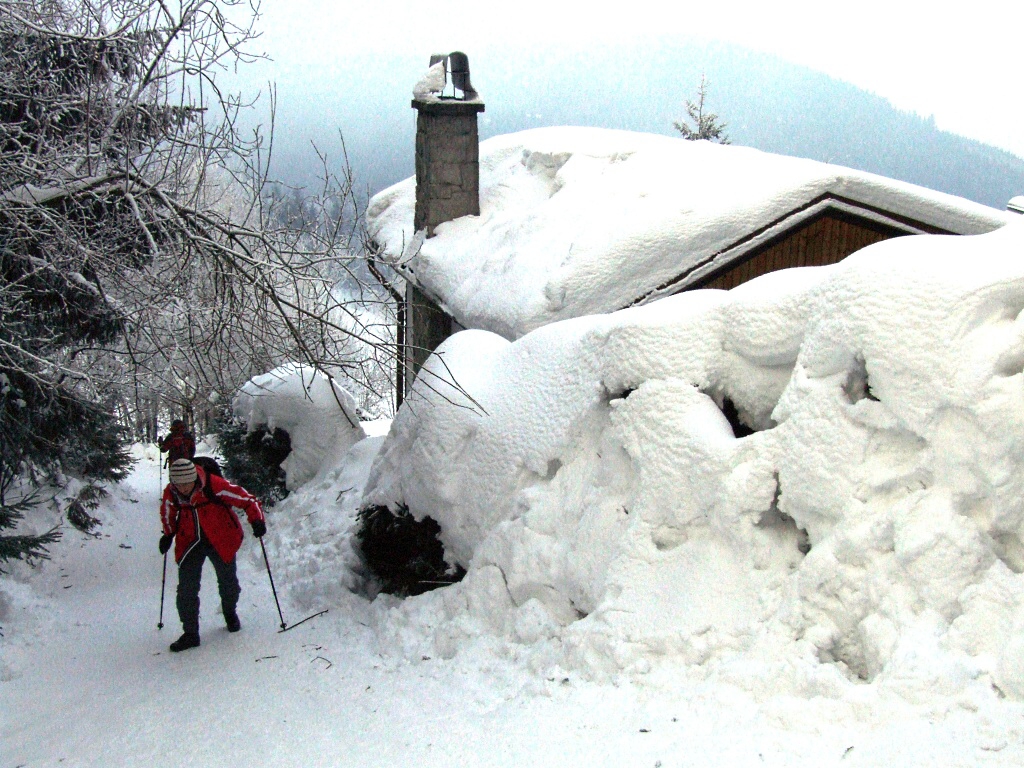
(579, 221)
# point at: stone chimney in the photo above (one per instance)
(447, 184)
(447, 162)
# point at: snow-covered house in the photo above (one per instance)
(576, 221)
(861, 540)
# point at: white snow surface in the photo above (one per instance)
(637, 592)
(432, 83)
(612, 523)
(318, 414)
(577, 221)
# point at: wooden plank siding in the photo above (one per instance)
(824, 240)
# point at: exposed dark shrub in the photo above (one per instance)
(253, 459)
(48, 434)
(405, 554)
(80, 507)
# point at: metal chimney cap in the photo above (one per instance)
(431, 86)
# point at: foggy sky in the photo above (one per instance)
(963, 66)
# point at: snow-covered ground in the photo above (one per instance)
(86, 680)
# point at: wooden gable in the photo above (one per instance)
(825, 239)
(822, 231)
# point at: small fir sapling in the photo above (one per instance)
(80, 506)
(701, 124)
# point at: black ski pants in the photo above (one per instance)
(190, 572)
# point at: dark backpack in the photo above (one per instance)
(210, 467)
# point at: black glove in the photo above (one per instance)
(258, 528)
(165, 542)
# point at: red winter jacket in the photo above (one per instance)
(178, 445)
(216, 522)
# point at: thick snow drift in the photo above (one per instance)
(870, 530)
(318, 414)
(578, 221)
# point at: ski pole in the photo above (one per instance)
(163, 584)
(272, 588)
(163, 580)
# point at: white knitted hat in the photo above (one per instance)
(183, 472)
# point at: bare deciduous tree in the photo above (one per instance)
(139, 247)
(129, 177)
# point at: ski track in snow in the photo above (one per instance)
(86, 680)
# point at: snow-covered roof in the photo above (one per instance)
(577, 221)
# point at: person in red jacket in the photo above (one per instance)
(196, 513)
(179, 443)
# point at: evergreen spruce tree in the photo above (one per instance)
(405, 555)
(14, 547)
(73, 123)
(702, 125)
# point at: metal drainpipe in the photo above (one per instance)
(399, 332)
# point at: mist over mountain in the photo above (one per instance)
(766, 102)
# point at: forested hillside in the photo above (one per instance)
(766, 102)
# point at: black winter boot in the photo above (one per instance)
(231, 619)
(186, 641)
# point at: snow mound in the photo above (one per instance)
(311, 531)
(318, 414)
(870, 529)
